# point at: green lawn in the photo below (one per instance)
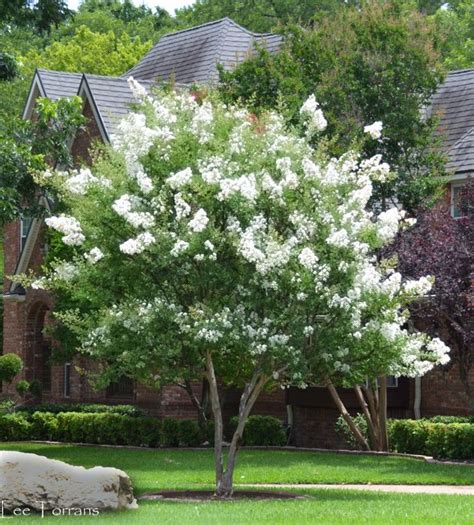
(159, 469)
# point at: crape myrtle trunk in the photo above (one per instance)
(225, 472)
(372, 400)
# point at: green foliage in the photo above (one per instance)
(102, 427)
(22, 387)
(450, 419)
(342, 428)
(10, 366)
(55, 408)
(170, 432)
(27, 146)
(44, 425)
(189, 433)
(456, 25)
(377, 63)
(8, 67)
(14, 427)
(110, 429)
(90, 52)
(40, 15)
(441, 440)
(260, 431)
(257, 15)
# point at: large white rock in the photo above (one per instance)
(40, 483)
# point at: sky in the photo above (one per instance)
(169, 5)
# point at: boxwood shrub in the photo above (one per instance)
(440, 440)
(14, 427)
(260, 431)
(56, 408)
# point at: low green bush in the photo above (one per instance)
(440, 440)
(450, 419)
(260, 431)
(189, 433)
(15, 427)
(342, 428)
(10, 366)
(44, 426)
(56, 408)
(170, 433)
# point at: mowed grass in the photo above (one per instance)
(152, 470)
(321, 507)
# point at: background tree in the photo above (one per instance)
(30, 146)
(89, 52)
(444, 247)
(456, 24)
(377, 63)
(210, 242)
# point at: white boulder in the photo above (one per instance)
(43, 484)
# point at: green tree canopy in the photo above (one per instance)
(89, 52)
(378, 63)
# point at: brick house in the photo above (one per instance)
(188, 57)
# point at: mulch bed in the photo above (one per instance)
(209, 495)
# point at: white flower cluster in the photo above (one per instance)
(374, 130)
(179, 179)
(199, 222)
(124, 206)
(291, 228)
(201, 123)
(82, 180)
(315, 120)
(69, 226)
(137, 245)
(94, 255)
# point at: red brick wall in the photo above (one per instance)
(85, 138)
(444, 393)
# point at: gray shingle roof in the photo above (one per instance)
(112, 97)
(57, 84)
(192, 55)
(453, 103)
(188, 56)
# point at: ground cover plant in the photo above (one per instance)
(155, 470)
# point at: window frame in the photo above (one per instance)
(23, 233)
(67, 380)
(456, 185)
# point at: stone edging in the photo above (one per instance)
(427, 459)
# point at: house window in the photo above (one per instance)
(25, 225)
(67, 380)
(460, 202)
(122, 388)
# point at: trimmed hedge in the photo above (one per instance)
(99, 428)
(450, 419)
(56, 408)
(440, 440)
(260, 431)
(119, 429)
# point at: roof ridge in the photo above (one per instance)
(44, 70)
(460, 71)
(461, 139)
(225, 28)
(213, 22)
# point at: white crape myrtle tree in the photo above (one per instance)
(212, 243)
